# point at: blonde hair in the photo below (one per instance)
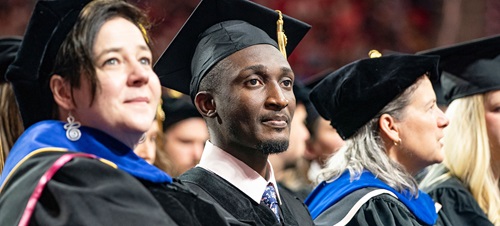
(11, 125)
(467, 154)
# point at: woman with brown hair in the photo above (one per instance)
(87, 92)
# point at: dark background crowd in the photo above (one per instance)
(343, 30)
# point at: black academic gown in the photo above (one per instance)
(241, 207)
(458, 205)
(89, 192)
(381, 210)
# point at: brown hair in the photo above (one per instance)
(76, 57)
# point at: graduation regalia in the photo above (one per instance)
(351, 97)
(239, 206)
(114, 188)
(94, 180)
(215, 30)
(458, 205)
(368, 201)
(468, 68)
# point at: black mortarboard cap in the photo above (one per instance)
(301, 92)
(178, 109)
(313, 80)
(8, 52)
(49, 25)
(310, 82)
(215, 30)
(469, 68)
(352, 95)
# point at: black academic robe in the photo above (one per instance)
(458, 205)
(301, 193)
(87, 191)
(241, 207)
(381, 210)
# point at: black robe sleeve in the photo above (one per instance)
(384, 210)
(381, 210)
(83, 192)
(458, 205)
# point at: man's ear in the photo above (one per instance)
(205, 103)
(61, 91)
(389, 127)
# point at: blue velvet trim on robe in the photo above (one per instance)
(51, 133)
(327, 194)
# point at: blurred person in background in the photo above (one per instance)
(184, 136)
(146, 148)
(150, 143)
(324, 141)
(11, 125)
(286, 164)
(466, 184)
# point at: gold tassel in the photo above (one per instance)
(374, 54)
(144, 33)
(281, 34)
(174, 93)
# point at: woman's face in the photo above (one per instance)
(492, 117)
(421, 130)
(128, 91)
(147, 149)
(326, 143)
(298, 136)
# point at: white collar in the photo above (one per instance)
(237, 172)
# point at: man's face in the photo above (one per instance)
(184, 143)
(255, 102)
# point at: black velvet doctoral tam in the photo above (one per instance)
(354, 94)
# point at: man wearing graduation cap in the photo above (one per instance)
(227, 57)
(466, 183)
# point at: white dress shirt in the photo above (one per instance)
(237, 172)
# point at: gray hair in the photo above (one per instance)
(365, 150)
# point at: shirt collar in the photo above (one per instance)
(241, 175)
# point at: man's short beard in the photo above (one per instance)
(273, 147)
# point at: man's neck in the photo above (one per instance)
(252, 158)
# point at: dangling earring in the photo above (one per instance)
(72, 131)
(143, 138)
(398, 142)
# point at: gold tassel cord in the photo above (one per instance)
(281, 34)
(144, 33)
(374, 54)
